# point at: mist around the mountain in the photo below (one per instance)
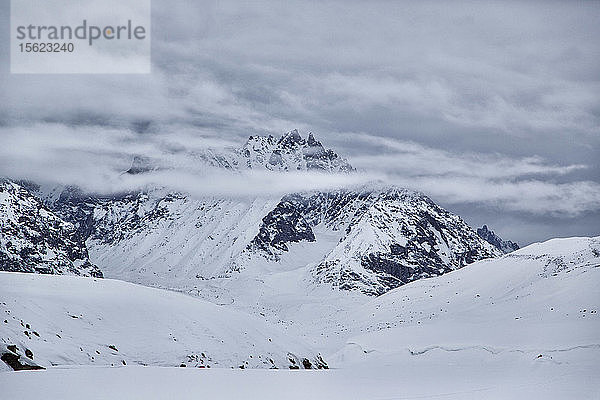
(96, 159)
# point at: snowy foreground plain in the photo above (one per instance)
(522, 326)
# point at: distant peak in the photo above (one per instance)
(291, 152)
(139, 165)
(506, 246)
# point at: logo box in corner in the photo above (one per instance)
(80, 36)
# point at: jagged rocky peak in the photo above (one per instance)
(506, 246)
(291, 152)
(35, 239)
(312, 142)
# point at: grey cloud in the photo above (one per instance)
(95, 158)
(501, 98)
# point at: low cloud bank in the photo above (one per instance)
(96, 158)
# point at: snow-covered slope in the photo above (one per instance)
(415, 381)
(160, 238)
(538, 305)
(34, 239)
(67, 320)
(174, 241)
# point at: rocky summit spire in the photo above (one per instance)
(506, 246)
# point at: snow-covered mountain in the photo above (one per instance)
(506, 246)
(386, 236)
(35, 239)
(368, 238)
(276, 282)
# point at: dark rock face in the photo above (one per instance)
(282, 225)
(291, 140)
(506, 246)
(35, 239)
(276, 159)
(398, 270)
(77, 208)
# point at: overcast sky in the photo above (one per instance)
(493, 109)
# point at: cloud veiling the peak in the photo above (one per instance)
(95, 158)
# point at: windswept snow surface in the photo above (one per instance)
(416, 380)
(84, 321)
